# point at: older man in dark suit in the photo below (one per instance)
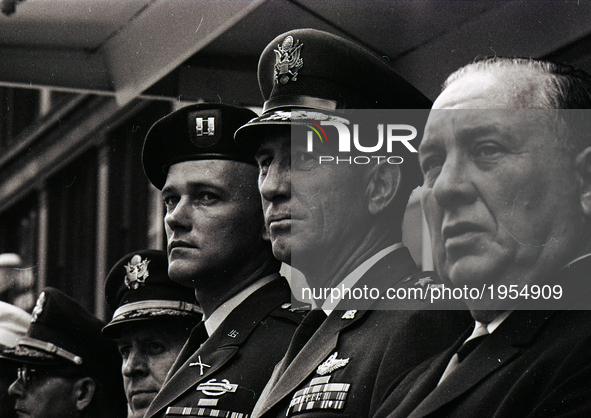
(506, 158)
(340, 224)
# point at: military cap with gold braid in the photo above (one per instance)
(63, 332)
(198, 132)
(138, 289)
(308, 68)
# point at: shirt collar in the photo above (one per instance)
(352, 278)
(221, 313)
(494, 324)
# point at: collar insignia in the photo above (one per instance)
(137, 272)
(38, 307)
(349, 314)
(424, 281)
(331, 364)
(287, 60)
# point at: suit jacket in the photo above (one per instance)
(349, 362)
(535, 364)
(227, 373)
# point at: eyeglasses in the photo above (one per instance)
(27, 374)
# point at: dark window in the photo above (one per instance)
(128, 186)
(72, 216)
(19, 108)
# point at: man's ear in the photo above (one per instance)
(382, 186)
(84, 390)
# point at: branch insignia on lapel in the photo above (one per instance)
(200, 364)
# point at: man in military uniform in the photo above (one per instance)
(152, 319)
(340, 224)
(67, 368)
(215, 230)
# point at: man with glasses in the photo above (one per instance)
(66, 367)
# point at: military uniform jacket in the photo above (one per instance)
(351, 360)
(225, 376)
(535, 364)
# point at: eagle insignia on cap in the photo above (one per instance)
(137, 272)
(38, 307)
(287, 60)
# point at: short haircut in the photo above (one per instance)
(567, 88)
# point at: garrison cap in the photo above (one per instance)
(198, 132)
(62, 332)
(138, 289)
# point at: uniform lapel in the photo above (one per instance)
(322, 344)
(389, 270)
(196, 338)
(221, 346)
(302, 335)
(207, 358)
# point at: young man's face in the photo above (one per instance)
(214, 222)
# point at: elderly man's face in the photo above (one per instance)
(148, 350)
(311, 209)
(213, 220)
(501, 194)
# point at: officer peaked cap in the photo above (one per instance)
(63, 332)
(138, 289)
(308, 68)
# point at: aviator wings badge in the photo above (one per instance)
(331, 364)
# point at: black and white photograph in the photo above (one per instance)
(295, 208)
